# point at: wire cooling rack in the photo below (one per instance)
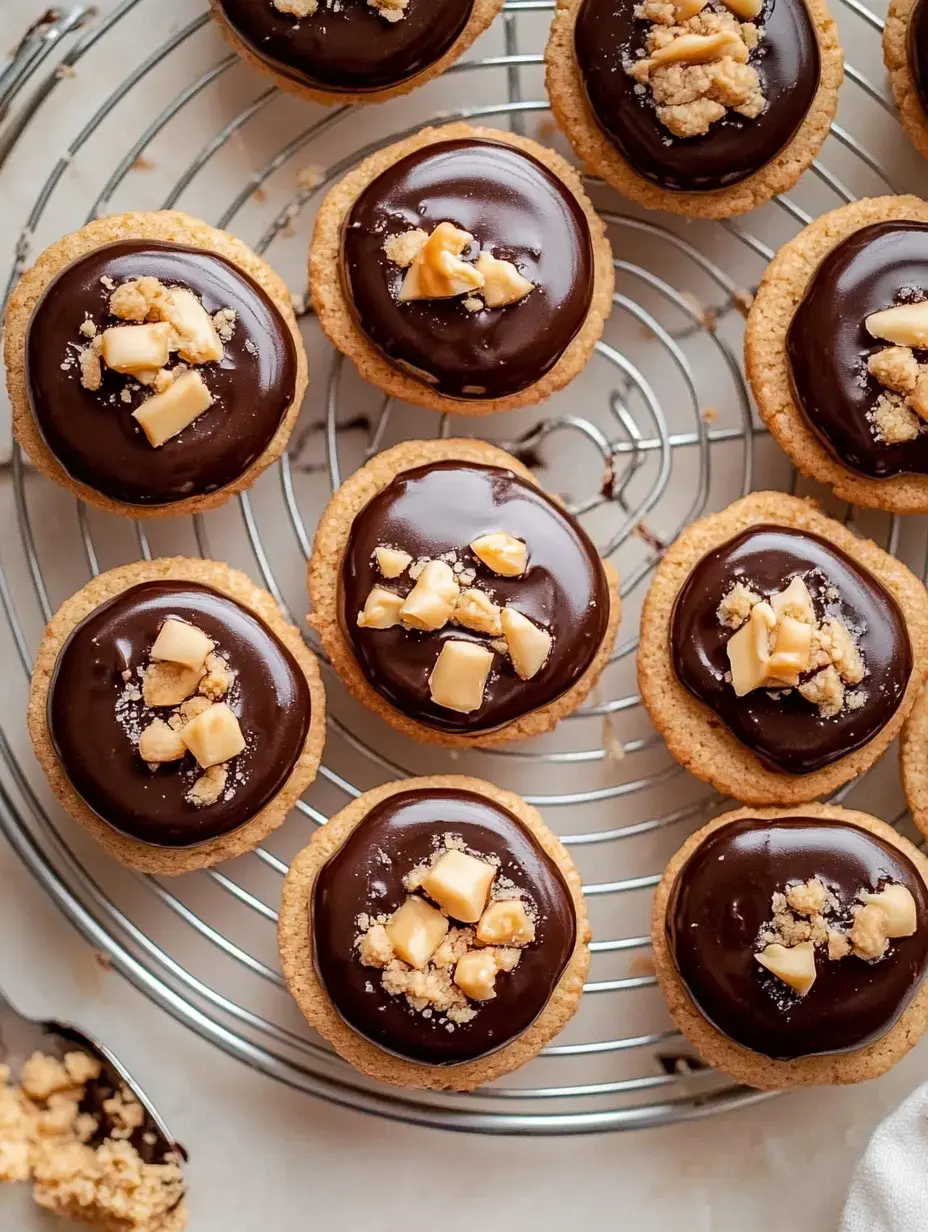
(142, 107)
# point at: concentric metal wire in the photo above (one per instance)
(658, 431)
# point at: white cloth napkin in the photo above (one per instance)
(889, 1188)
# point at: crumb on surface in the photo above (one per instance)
(735, 607)
(403, 249)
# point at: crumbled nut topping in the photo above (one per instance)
(75, 1169)
(808, 922)
(900, 412)
(446, 591)
(389, 10)
(175, 711)
(155, 324)
(460, 926)
(436, 269)
(695, 62)
(780, 643)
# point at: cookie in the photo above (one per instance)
(177, 715)
(710, 128)
(780, 653)
(456, 599)
(463, 269)
(913, 748)
(154, 364)
(435, 933)
(791, 946)
(904, 42)
(828, 357)
(352, 53)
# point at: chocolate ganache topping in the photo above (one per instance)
(367, 879)
(611, 38)
(348, 46)
(870, 418)
(719, 917)
(97, 712)
(561, 595)
(787, 730)
(917, 46)
(515, 210)
(92, 431)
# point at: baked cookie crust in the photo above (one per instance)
(778, 296)
(754, 1069)
(332, 307)
(600, 157)
(896, 58)
(168, 226)
(482, 15)
(294, 933)
(913, 749)
(168, 861)
(694, 735)
(325, 564)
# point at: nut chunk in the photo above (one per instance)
(904, 324)
(132, 349)
(431, 601)
(179, 642)
(166, 414)
(898, 906)
(794, 966)
(415, 931)
(169, 684)
(214, 736)
(460, 884)
(159, 743)
(506, 922)
(529, 646)
(501, 552)
(475, 975)
(503, 284)
(381, 609)
(437, 271)
(460, 676)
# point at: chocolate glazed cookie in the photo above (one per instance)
(781, 728)
(512, 206)
(828, 344)
(905, 52)
(608, 36)
(340, 907)
(850, 999)
(93, 434)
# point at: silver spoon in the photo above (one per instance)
(20, 1037)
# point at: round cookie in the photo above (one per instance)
(341, 881)
(912, 746)
(243, 373)
(858, 435)
(782, 743)
(97, 688)
(409, 313)
(355, 52)
(850, 1025)
(904, 33)
(432, 499)
(702, 159)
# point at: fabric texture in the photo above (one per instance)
(889, 1188)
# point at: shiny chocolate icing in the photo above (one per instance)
(608, 35)
(828, 345)
(721, 902)
(783, 729)
(514, 207)
(348, 47)
(443, 507)
(93, 434)
(358, 880)
(917, 47)
(270, 698)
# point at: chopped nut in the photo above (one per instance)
(794, 966)
(179, 642)
(792, 652)
(826, 691)
(190, 709)
(197, 340)
(895, 368)
(381, 609)
(375, 949)
(898, 907)
(474, 610)
(838, 945)
(159, 743)
(529, 645)
(903, 324)
(893, 421)
(501, 552)
(794, 601)
(808, 897)
(214, 736)
(700, 49)
(460, 884)
(208, 787)
(431, 601)
(403, 249)
(391, 561)
(168, 684)
(683, 10)
(91, 368)
(437, 272)
(224, 323)
(842, 650)
(297, 8)
(218, 679)
(166, 414)
(506, 922)
(744, 10)
(136, 299)
(868, 934)
(749, 650)
(475, 975)
(503, 284)
(460, 675)
(735, 607)
(136, 348)
(416, 930)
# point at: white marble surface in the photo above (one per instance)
(266, 1157)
